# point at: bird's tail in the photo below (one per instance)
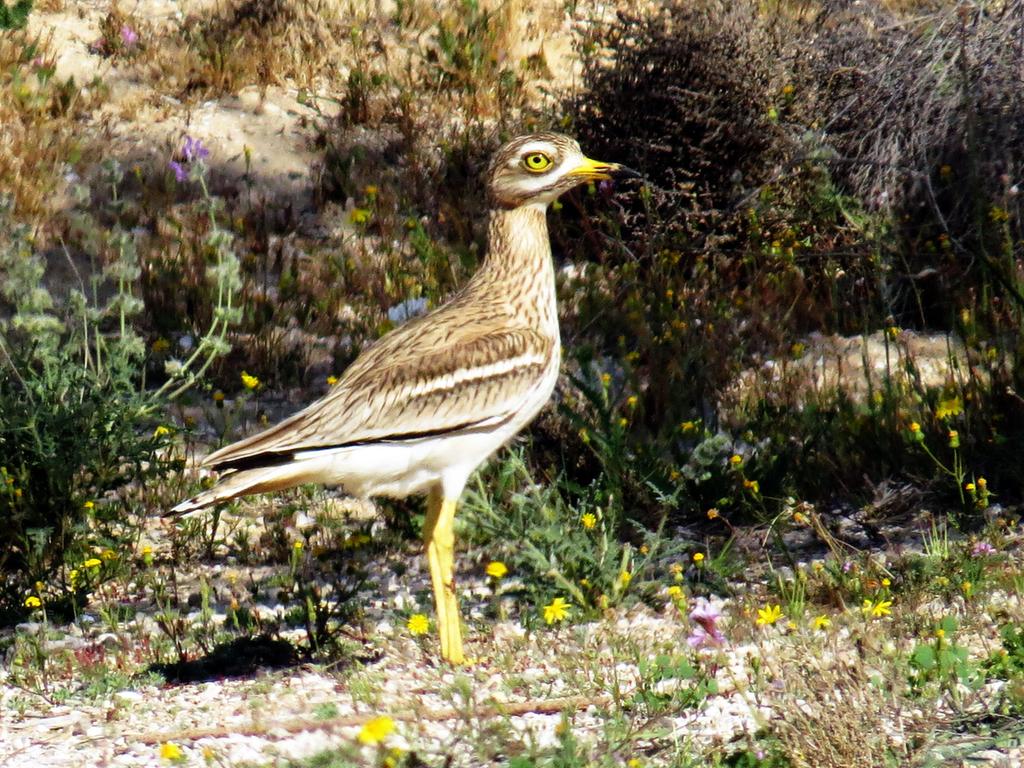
(249, 481)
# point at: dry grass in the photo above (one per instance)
(40, 126)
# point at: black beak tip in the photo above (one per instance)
(625, 172)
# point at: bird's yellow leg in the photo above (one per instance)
(439, 536)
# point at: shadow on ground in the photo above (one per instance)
(241, 657)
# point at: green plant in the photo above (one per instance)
(78, 424)
(944, 663)
(564, 541)
(15, 15)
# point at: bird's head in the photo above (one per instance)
(536, 169)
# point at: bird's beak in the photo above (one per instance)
(593, 170)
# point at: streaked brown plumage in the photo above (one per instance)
(428, 403)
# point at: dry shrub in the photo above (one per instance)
(833, 716)
(685, 95)
(924, 119)
(246, 42)
(40, 136)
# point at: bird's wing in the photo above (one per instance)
(422, 379)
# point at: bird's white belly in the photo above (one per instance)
(406, 467)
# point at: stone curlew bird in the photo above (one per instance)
(424, 406)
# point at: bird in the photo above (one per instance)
(425, 405)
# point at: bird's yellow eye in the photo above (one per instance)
(536, 162)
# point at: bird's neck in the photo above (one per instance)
(519, 265)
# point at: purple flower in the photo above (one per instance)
(180, 171)
(847, 566)
(194, 149)
(982, 548)
(129, 36)
(705, 615)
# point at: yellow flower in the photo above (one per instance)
(556, 610)
(879, 609)
(948, 407)
(624, 578)
(88, 505)
(418, 624)
(370, 190)
(297, 546)
(969, 487)
(689, 426)
(752, 485)
(170, 751)
(359, 216)
(606, 379)
(497, 569)
(376, 730)
(218, 396)
(675, 592)
(788, 90)
(161, 431)
(698, 557)
(735, 459)
(892, 332)
(769, 615)
(250, 382)
(631, 401)
(886, 582)
(915, 427)
(822, 622)
(108, 554)
(712, 513)
(92, 562)
(967, 587)
(73, 576)
(32, 602)
(588, 520)
(633, 762)
(332, 380)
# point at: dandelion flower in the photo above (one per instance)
(822, 622)
(698, 557)
(769, 615)
(418, 624)
(735, 459)
(89, 505)
(332, 380)
(497, 569)
(588, 520)
(92, 562)
(675, 592)
(879, 609)
(170, 751)
(161, 431)
(376, 730)
(556, 610)
(250, 382)
(32, 602)
(624, 578)
(713, 514)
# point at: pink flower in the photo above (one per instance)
(129, 36)
(982, 548)
(705, 615)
